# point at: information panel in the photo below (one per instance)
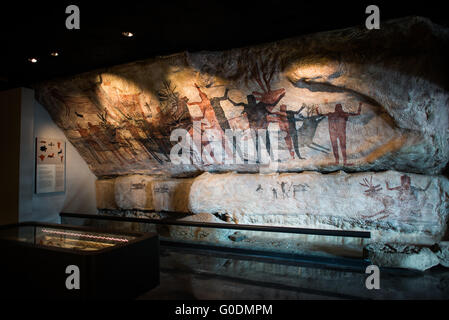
(50, 165)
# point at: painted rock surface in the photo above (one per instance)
(382, 202)
(392, 205)
(348, 99)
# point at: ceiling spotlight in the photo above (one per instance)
(32, 60)
(54, 54)
(128, 34)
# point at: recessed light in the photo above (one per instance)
(32, 60)
(128, 34)
(54, 54)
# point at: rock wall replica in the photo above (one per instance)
(394, 206)
(346, 129)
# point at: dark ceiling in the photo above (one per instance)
(164, 27)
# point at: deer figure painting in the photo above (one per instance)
(373, 191)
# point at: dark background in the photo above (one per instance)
(165, 27)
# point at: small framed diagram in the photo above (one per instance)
(50, 165)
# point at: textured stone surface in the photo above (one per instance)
(210, 235)
(401, 256)
(393, 206)
(386, 202)
(120, 119)
(105, 194)
(141, 192)
(171, 194)
(443, 253)
(134, 192)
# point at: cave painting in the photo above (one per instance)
(219, 112)
(337, 130)
(406, 191)
(209, 121)
(148, 126)
(281, 119)
(303, 136)
(407, 200)
(259, 109)
(287, 190)
(124, 129)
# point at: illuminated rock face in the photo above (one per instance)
(392, 205)
(134, 192)
(349, 99)
(292, 117)
(388, 203)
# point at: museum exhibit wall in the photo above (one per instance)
(357, 122)
(26, 120)
(80, 181)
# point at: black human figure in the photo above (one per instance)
(303, 137)
(219, 113)
(284, 190)
(291, 117)
(256, 113)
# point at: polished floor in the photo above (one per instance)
(198, 275)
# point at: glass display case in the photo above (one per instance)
(78, 240)
(111, 264)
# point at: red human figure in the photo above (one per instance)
(404, 189)
(280, 117)
(337, 130)
(211, 122)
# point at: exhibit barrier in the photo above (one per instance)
(237, 249)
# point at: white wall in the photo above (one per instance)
(79, 196)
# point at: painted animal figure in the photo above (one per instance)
(373, 192)
(268, 95)
(297, 188)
